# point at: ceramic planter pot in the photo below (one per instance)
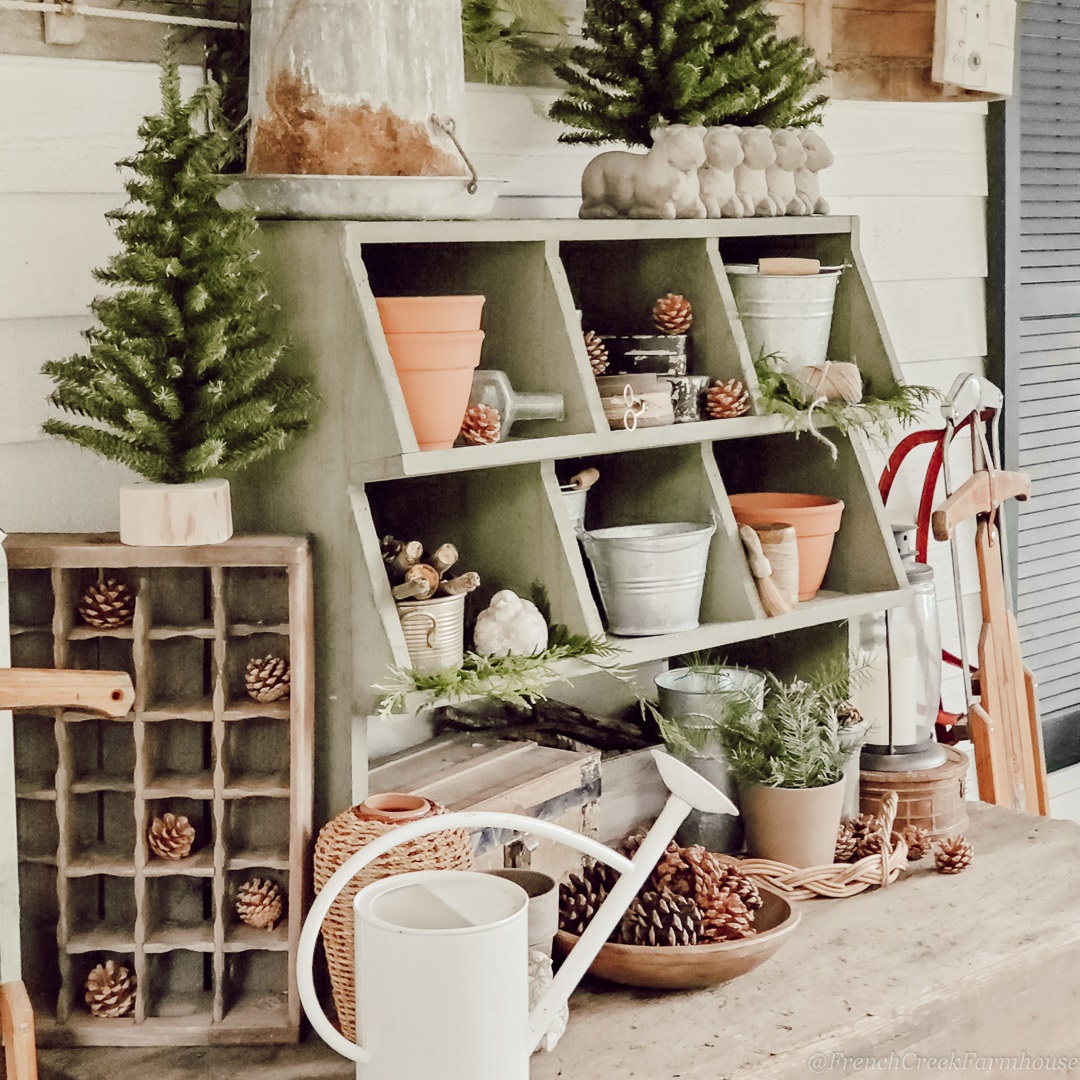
(816, 519)
(435, 372)
(796, 826)
(429, 314)
(543, 896)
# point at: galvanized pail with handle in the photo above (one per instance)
(650, 577)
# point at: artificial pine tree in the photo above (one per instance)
(709, 62)
(180, 379)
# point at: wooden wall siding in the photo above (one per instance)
(915, 174)
(1048, 363)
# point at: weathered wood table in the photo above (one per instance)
(954, 970)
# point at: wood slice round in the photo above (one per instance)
(694, 967)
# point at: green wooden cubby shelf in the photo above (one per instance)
(358, 474)
(195, 744)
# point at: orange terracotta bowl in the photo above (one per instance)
(816, 519)
(694, 967)
(429, 314)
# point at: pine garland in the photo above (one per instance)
(649, 62)
(180, 381)
(781, 394)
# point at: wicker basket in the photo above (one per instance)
(342, 837)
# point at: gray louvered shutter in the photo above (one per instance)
(1048, 549)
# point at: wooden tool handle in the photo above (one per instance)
(789, 266)
(107, 692)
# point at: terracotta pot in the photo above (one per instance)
(392, 808)
(796, 826)
(435, 372)
(816, 519)
(429, 314)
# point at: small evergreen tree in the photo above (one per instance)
(180, 378)
(710, 62)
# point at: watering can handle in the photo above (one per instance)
(689, 790)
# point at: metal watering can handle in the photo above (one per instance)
(688, 791)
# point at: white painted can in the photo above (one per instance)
(442, 977)
(787, 315)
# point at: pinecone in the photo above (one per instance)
(582, 894)
(481, 425)
(258, 903)
(267, 678)
(848, 715)
(673, 314)
(107, 605)
(732, 879)
(597, 350)
(863, 829)
(726, 400)
(954, 855)
(846, 845)
(110, 990)
(919, 842)
(726, 918)
(660, 918)
(171, 836)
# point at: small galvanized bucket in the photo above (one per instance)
(434, 631)
(576, 501)
(786, 315)
(650, 577)
(698, 698)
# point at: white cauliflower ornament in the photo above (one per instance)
(510, 625)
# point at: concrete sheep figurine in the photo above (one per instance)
(723, 154)
(751, 185)
(790, 156)
(662, 183)
(510, 625)
(807, 187)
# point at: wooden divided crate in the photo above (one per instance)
(195, 744)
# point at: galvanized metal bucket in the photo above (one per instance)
(576, 501)
(698, 698)
(434, 631)
(785, 315)
(650, 577)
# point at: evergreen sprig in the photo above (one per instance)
(649, 62)
(180, 380)
(781, 394)
(518, 680)
(795, 741)
(500, 37)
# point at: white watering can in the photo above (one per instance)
(442, 955)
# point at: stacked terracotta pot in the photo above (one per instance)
(435, 344)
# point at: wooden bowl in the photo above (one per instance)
(693, 967)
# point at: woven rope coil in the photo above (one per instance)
(837, 880)
(342, 837)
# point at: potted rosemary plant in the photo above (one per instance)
(788, 759)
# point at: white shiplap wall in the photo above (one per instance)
(915, 174)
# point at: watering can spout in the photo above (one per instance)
(689, 791)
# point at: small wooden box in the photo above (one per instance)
(467, 772)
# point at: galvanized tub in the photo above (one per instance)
(698, 698)
(650, 577)
(785, 315)
(434, 632)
